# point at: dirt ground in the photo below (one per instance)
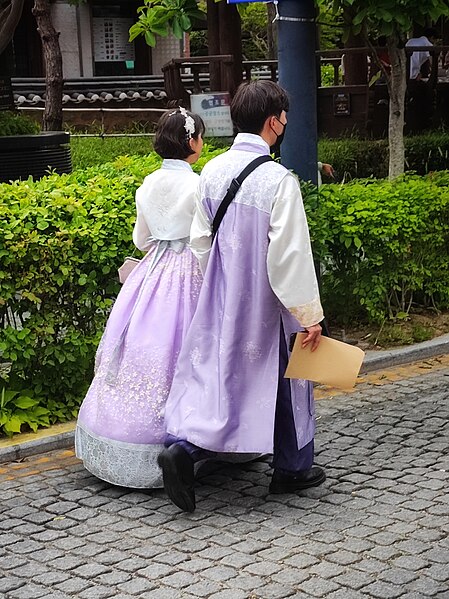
(420, 326)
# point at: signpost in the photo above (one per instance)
(214, 109)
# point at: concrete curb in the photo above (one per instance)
(374, 360)
(20, 450)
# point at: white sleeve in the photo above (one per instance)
(291, 270)
(141, 232)
(200, 233)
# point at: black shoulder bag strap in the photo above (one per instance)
(233, 189)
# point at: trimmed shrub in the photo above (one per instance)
(12, 123)
(361, 158)
(62, 239)
(383, 245)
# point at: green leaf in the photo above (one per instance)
(13, 425)
(177, 29)
(24, 402)
(150, 38)
(185, 22)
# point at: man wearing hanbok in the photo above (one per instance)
(229, 393)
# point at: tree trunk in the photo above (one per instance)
(52, 120)
(356, 65)
(231, 43)
(213, 44)
(9, 19)
(272, 33)
(397, 89)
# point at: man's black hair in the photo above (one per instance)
(172, 140)
(254, 102)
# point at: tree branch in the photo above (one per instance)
(8, 25)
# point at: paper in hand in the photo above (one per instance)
(333, 363)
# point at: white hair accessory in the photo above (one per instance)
(189, 125)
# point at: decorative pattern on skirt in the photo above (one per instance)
(135, 365)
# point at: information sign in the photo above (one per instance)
(111, 37)
(342, 104)
(215, 111)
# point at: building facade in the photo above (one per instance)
(94, 42)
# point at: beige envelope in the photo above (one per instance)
(333, 363)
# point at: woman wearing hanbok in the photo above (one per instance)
(120, 429)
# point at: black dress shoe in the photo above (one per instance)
(178, 475)
(284, 483)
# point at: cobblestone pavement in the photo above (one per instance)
(378, 527)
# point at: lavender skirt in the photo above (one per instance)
(120, 429)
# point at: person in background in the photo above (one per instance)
(325, 169)
(420, 61)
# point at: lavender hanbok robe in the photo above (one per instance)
(258, 272)
(120, 430)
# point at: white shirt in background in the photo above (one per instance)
(417, 59)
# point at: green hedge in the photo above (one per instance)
(12, 123)
(62, 238)
(61, 241)
(352, 158)
(383, 245)
(357, 158)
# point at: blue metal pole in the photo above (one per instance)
(297, 74)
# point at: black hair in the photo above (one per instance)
(172, 140)
(254, 102)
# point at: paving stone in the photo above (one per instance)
(204, 589)
(156, 571)
(355, 580)
(132, 564)
(290, 576)
(51, 578)
(91, 570)
(410, 562)
(382, 590)
(10, 583)
(96, 591)
(318, 587)
(231, 594)
(9, 562)
(398, 576)
(73, 585)
(428, 587)
(246, 582)
(28, 591)
(179, 580)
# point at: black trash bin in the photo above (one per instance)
(25, 155)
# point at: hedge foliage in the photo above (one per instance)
(363, 158)
(382, 245)
(352, 158)
(12, 123)
(61, 241)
